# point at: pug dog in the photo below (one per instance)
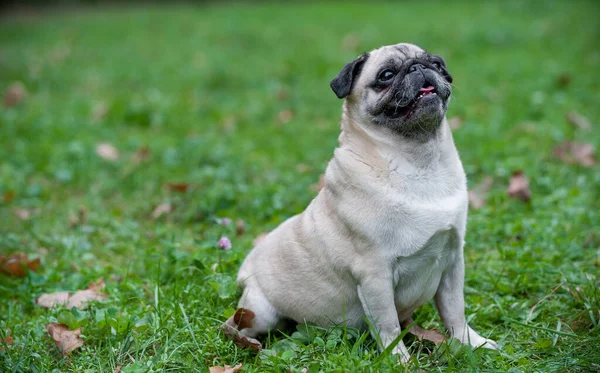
(386, 232)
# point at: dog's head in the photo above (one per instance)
(401, 87)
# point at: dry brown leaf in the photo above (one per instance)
(477, 196)
(282, 94)
(240, 227)
(579, 121)
(97, 285)
(178, 187)
(107, 151)
(53, 299)
(162, 209)
(8, 340)
(141, 155)
(455, 122)
(563, 80)
(432, 335)
(14, 94)
(79, 299)
(8, 196)
(17, 264)
(519, 186)
(225, 369)
(118, 369)
(243, 318)
(66, 340)
(82, 297)
(576, 152)
(79, 218)
(318, 186)
(22, 214)
(285, 116)
(476, 200)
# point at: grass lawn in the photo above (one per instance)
(226, 112)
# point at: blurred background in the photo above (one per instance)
(130, 130)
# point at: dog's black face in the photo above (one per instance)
(401, 87)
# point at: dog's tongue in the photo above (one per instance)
(428, 89)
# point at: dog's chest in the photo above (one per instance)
(406, 225)
(417, 277)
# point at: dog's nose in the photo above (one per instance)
(416, 66)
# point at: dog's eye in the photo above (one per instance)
(437, 65)
(385, 75)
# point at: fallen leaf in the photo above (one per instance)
(66, 340)
(162, 209)
(282, 94)
(285, 116)
(259, 238)
(8, 340)
(79, 299)
(240, 227)
(178, 187)
(242, 319)
(118, 369)
(82, 297)
(225, 369)
(107, 151)
(141, 155)
(519, 186)
(455, 122)
(53, 299)
(432, 335)
(579, 121)
(17, 264)
(78, 219)
(97, 285)
(563, 80)
(318, 186)
(22, 214)
(9, 196)
(14, 94)
(576, 152)
(477, 196)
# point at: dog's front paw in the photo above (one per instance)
(402, 352)
(472, 338)
(488, 343)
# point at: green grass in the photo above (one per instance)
(202, 89)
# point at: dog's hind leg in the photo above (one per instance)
(255, 315)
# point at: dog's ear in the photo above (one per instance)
(342, 83)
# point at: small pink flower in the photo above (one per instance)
(224, 243)
(225, 221)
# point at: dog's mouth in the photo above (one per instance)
(424, 95)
